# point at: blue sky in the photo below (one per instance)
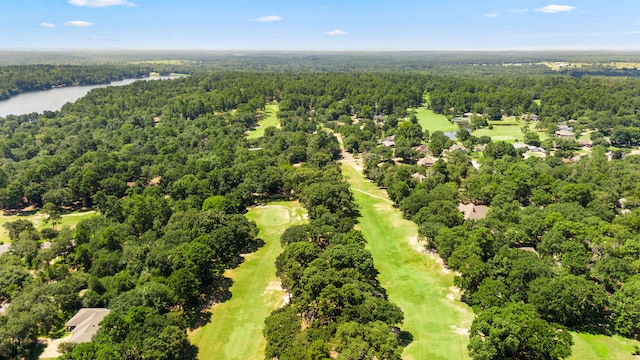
(320, 25)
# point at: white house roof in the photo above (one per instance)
(85, 323)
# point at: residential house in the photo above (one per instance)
(564, 134)
(389, 141)
(457, 147)
(85, 324)
(427, 161)
(421, 149)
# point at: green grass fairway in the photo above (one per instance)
(509, 133)
(602, 347)
(415, 281)
(270, 119)
(433, 122)
(235, 329)
(70, 220)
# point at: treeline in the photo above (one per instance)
(157, 249)
(167, 165)
(17, 79)
(608, 105)
(87, 153)
(337, 305)
(556, 251)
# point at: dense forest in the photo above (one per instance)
(168, 167)
(22, 78)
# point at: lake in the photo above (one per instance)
(54, 99)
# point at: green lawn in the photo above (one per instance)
(270, 119)
(509, 133)
(414, 281)
(602, 347)
(70, 220)
(433, 122)
(235, 328)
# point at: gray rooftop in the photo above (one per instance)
(84, 324)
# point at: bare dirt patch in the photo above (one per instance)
(460, 331)
(275, 286)
(417, 245)
(51, 351)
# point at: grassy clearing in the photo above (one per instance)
(235, 329)
(416, 282)
(433, 122)
(270, 119)
(38, 220)
(601, 347)
(509, 133)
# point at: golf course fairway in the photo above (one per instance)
(235, 328)
(415, 281)
(270, 119)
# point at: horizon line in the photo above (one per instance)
(240, 51)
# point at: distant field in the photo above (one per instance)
(616, 65)
(602, 347)
(70, 220)
(270, 119)
(433, 122)
(235, 328)
(163, 62)
(415, 281)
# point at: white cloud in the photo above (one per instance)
(552, 9)
(336, 32)
(78, 23)
(519, 10)
(47, 25)
(491, 15)
(636, 32)
(270, 18)
(100, 3)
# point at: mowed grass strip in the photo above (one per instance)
(415, 281)
(509, 133)
(270, 119)
(38, 220)
(235, 328)
(602, 347)
(433, 122)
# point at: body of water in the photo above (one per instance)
(54, 99)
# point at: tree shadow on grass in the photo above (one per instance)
(251, 247)
(36, 350)
(216, 293)
(405, 338)
(604, 329)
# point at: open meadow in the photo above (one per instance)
(415, 281)
(235, 328)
